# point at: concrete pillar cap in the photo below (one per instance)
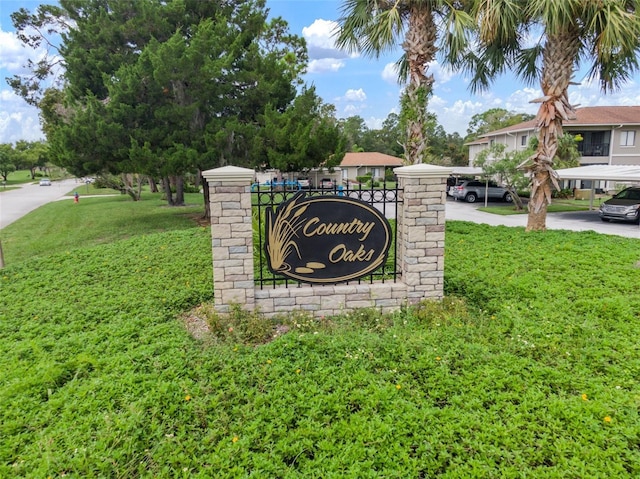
(229, 173)
(422, 170)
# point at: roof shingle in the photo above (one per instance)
(587, 116)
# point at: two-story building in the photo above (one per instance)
(610, 136)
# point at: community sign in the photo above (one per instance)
(326, 239)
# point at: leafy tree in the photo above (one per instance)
(354, 130)
(7, 164)
(388, 137)
(602, 35)
(445, 149)
(163, 87)
(567, 154)
(31, 155)
(372, 27)
(498, 163)
(494, 119)
(305, 135)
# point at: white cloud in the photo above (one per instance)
(352, 110)
(390, 73)
(18, 120)
(455, 118)
(325, 65)
(355, 95)
(320, 40)
(352, 103)
(441, 75)
(520, 101)
(374, 123)
(590, 94)
(14, 55)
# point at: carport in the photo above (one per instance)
(627, 173)
(472, 171)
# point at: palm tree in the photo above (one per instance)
(600, 34)
(376, 26)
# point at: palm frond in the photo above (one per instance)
(528, 63)
(370, 27)
(613, 29)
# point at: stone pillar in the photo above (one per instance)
(421, 225)
(231, 236)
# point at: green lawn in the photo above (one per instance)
(18, 177)
(62, 225)
(558, 206)
(529, 368)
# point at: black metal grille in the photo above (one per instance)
(385, 199)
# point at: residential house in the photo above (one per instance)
(610, 136)
(356, 164)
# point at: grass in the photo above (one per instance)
(558, 206)
(90, 189)
(18, 177)
(529, 368)
(63, 225)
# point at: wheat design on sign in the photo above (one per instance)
(282, 228)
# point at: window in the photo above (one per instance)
(627, 138)
(523, 140)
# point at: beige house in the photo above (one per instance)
(610, 136)
(361, 163)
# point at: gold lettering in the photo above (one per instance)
(335, 251)
(341, 253)
(311, 222)
(312, 228)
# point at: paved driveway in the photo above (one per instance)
(574, 220)
(14, 204)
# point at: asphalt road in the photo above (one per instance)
(573, 220)
(16, 203)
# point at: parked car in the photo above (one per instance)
(45, 182)
(304, 183)
(474, 190)
(326, 183)
(625, 206)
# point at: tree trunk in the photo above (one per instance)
(419, 47)
(179, 182)
(558, 63)
(166, 185)
(153, 186)
(140, 181)
(516, 199)
(206, 195)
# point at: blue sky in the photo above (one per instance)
(355, 85)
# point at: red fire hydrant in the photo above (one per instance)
(76, 198)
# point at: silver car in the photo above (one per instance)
(625, 206)
(474, 190)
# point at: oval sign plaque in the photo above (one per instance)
(326, 239)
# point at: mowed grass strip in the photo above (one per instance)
(63, 225)
(529, 368)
